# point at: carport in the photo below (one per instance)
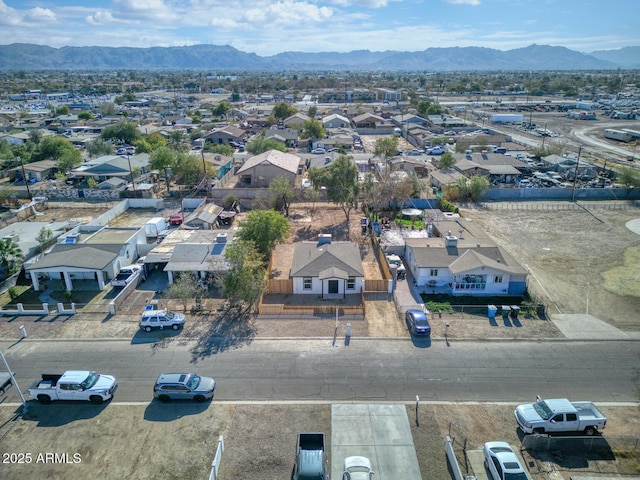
(74, 262)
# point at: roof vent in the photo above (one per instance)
(450, 241)
(221, 238)
(14, 237)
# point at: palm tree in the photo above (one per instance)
(10, 254)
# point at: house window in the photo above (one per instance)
(434, 272)
(306, 283)
(351, 283)
(497, 279)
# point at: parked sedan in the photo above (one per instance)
(318, 151)
(357, 468)
(502, 462)
(436, 151)
(183, 386)
(417, 322)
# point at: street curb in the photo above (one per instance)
(449, 339)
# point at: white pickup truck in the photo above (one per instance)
(74, 385)
(559, 415)
(126, 275)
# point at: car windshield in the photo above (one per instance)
(193, 382)
(421, 322)
(543, 410)
(90, 381)
(515, 476)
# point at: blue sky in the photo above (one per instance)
(270, 27)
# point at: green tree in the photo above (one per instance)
(178, 141)
(164, 159)
(312, 128)
(386, 147)
(7, 192)
(446, 160)
(229, 201)
(124, 131)
(10, 256)
(98, 147)
(188, 169)
(92, 183)
(44, 239)
(312, 112)
(341, 181)
(186, 286)
(283, 110)
(265, 228)
(222, 149)
(68, 160)
(221, 109)
(86, 116)
(53, 148)
(629, 178)
(150, 142)
(261, 145)
(242, 284)
(281, 192)
(62, 110)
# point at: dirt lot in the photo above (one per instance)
(259, 440)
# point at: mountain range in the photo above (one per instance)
(23, 56)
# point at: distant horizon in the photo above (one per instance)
(311, 53)
(270, 27)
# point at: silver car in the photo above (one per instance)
(183, 386)
(161, 319)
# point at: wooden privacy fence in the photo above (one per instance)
(284, 285)
(376, 285)
(282, 309)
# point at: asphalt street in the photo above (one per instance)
(366, 370)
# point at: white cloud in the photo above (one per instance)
(40, 14)
(101, 17)
(286, 12)
(464, 2)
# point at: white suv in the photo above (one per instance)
(161, 319)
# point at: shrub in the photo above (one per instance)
(13, 293)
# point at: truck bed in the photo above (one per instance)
(311, 441)
(588, 411)
(47, 381)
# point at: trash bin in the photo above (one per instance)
(506, 310)
(491, 311)
(514, 311)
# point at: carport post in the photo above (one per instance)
(13, 380)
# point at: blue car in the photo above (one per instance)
(417, 322)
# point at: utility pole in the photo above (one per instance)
(26, 180)
(15, 384)
(133, 183)
(575, 175)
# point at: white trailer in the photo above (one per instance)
(507, 118)
(619, 135)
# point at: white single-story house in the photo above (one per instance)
(328, 269)
(459, 267)
(95, 256)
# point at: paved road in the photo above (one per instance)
(366, 370)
